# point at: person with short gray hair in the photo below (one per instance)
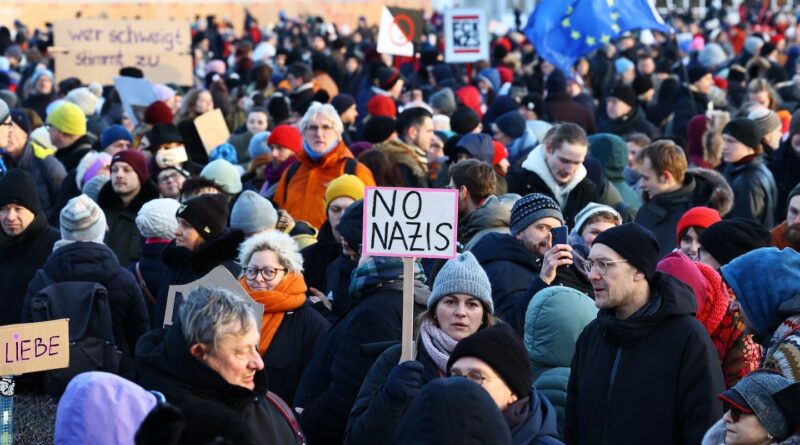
(210, 354)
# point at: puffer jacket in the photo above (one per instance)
(755, 194)
(304, 197)
(555, 318)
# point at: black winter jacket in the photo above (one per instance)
(123, 236)
(634, 122)
(755, 194)
(71, 156)
(686, 106)
(318, 256)
(88, 261)
(151, 268)
(48, 173)
(786, 172)
(651, 378)
(20, 257)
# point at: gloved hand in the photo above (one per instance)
(404, 383)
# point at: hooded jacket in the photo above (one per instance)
(701, 187)
(167, 366)
(512, 271)
(491, 217)
(20, 257)
(409, 160)
(755, 194)
(123, 235)
(555, 319)
(88, 261)
(303, 199)
(535, 177)
(660, 358)
(478, 145)
(613, 154)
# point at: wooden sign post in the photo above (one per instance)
(409, 223)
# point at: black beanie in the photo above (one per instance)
(501, 347)
(18, 187)
(379, 128)
(642, 84)
(745, 131)
(464, 120)
(208, 214)
(697, 72)
(162, 134)
(351, 226)
(511, 123)
(625, 94)
(278, 108)
(730, 238)
(636, 244)
(343, 102)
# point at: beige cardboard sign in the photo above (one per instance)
(95, 49)
(31, 347)
(218, 277)
(212, 128)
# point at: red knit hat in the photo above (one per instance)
(381, 105)
(500, 152)
(136, 160)
(286, 136)
(696, 217)
(717, 298)
(158, 112)
(681, 267)
(506, 75)
(470, 97)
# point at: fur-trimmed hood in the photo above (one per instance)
(406, 154)
(716, 436)
(712, 190)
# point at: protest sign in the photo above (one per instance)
(409, 223)
(466, 37)
(31, 347)
(400, 29)
(96, 49)
(218, 277)
(136, 95)
(212, 129)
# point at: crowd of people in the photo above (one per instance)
(669, 312)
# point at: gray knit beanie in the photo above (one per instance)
(462, 275)
(766, 119)
(83, 220)
(156, 218)
(444, 101)
(754, 393)
(531, 208)
(253, 213)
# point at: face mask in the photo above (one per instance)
(171, 157)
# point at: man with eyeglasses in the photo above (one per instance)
(644, 371)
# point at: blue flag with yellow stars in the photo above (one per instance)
(563, 31)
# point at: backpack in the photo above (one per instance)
(91, 337)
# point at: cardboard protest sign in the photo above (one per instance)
(136, 95)
(218, 277)
(31, 347)
(96, 49)
(212, 128)
(400, 29)
(409, 222)
(466, 37)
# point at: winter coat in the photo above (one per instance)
(47, 173)
(167, 366)
(20, 257)
(304, 197)
(513, 271)
(374, 419)
(716, 436)
(786, 172)
(687, 105)
(660, 358)
(539, 426)
(409, 160)
(562, 108)
(633, 122)
(88, 261)
(755, 194)
(535, 177)
(330, 384)
(318, 256)
(555, 319)
(614, 158)
(71, 156)
(151, 267)
(491, 217)
(184, 266)
(701, 187)
(123, 235)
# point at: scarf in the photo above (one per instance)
(290, 294)
(517, 413)
(438, 344)
(273, 173)
(315, 157)
(378, 270)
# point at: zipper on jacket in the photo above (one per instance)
(610, 388)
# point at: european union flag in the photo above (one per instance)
(563, 31)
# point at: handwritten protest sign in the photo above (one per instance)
(136, 95)
(212, 129)
(96, 49)
(409, 223)
(31, 347)
(466, 38)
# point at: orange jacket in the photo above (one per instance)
(307, 187)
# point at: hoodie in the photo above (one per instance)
(478, 145)
(612, 151)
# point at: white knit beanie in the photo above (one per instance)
(156, 218)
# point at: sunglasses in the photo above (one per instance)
(736, 412)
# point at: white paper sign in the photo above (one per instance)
(410, 222)
(391, 38)
(136, 95)
(466, 36)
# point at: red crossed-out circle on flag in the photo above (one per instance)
(406, 32)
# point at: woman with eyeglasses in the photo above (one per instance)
(459, 305)
(272, 274)
(753, 416)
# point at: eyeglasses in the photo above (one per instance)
(602, 265)
(314, 128)
(167, 178)
(268, 273)
(736, 412)
(474, 376)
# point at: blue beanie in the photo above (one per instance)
(113, 134)
(492, 76)
(512, 124)
(258, 145)
(622, 64)
(761, 294)
(224, 151)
